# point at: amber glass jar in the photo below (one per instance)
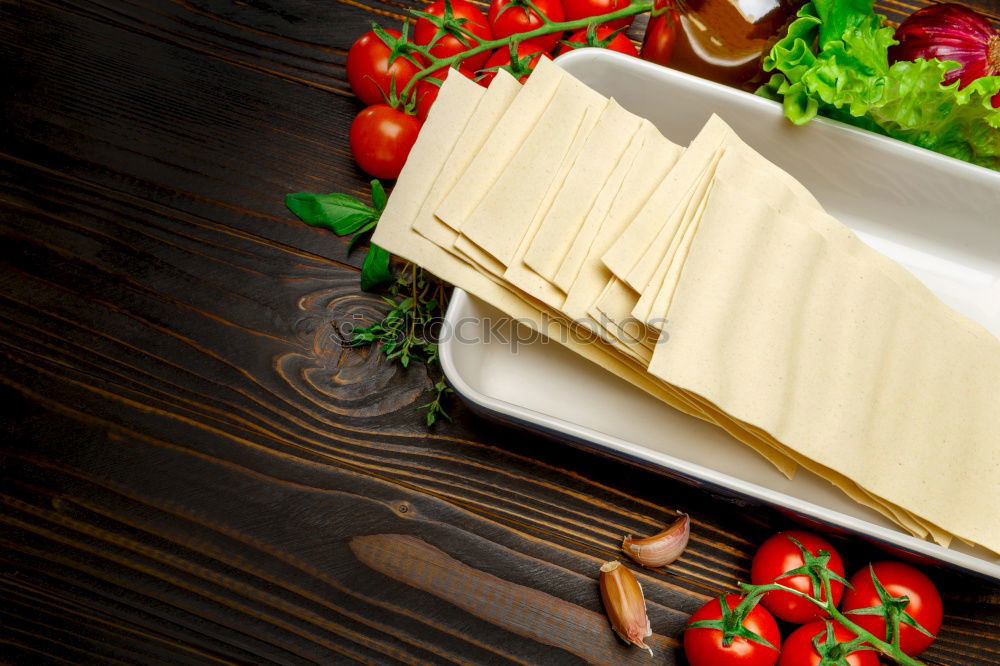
(722, 40)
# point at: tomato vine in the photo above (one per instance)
(817, 569)
(479, 45)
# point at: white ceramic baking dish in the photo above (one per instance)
(937, 216)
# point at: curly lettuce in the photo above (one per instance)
(833, 61)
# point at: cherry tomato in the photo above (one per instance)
(798, 649)
(428, 92)
(501, 58)
(581, 9)
(661, 35)
(620, 43)
(369, 71)
(517, 19)
(778, 555)
(704, 647)
(381, 138)
(899, 580)
(452, 44)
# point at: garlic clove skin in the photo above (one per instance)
(660, 549)
(625, 604)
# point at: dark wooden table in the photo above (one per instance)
(193, 470)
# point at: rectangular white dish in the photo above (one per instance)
(936, 216)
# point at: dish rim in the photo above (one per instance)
(771, 106)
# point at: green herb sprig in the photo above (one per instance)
(416, 299)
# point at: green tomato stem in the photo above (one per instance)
(889, 650)
(548, 28)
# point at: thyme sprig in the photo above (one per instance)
(434, 410)
(403, 334)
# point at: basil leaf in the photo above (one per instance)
(341, 213)
(375, 271)
(359, 233)
(378, 196)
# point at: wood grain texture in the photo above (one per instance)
(192, 463)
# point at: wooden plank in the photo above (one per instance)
(190, 451)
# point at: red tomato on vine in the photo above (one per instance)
(381, 138)
(581, 9)
(619, 42)
(798, 648)
(369, 71)
(453, 42)
(661, 35)
(895, 581)
(511, 17)
(753, 639)
(779, 555)
(427, 92)
(501, 58)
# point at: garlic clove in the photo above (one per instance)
(625, 604)
(660, 549)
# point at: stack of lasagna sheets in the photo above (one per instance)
(710, 278)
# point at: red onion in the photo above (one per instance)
(951, 32)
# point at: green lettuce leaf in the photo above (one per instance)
(833, 61)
